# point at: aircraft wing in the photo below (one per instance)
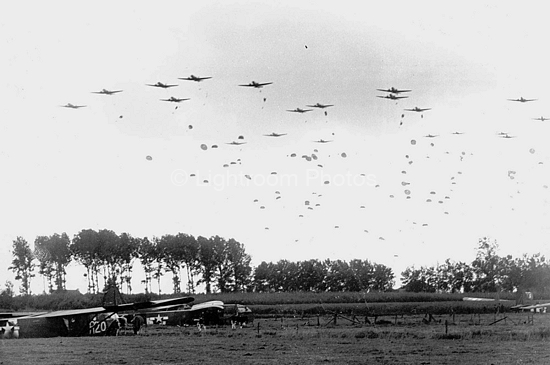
(69, 312)
(115, 308)
(148, 304)
(472, 299)
(211, 304)
(535, 306)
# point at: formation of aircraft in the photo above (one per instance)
(298, 110)
(393, 90)
(107, 92)
(174, 100)
(257, 85)
(71, 106)
(392, 97)
(161, 85)
(522, 100)
(194, 78)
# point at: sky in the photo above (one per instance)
(380, 190)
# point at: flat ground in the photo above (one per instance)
(407, 340)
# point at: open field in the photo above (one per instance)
(470, 339)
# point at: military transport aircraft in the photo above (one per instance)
(107, 92)
(522, 100)
(174, 100)
(69, 105)
(195, 78)
(392, 97)
(174, 315)
(87, 321)
(257, 85)
(319, 105)
(417, 109)
(394, 90)
(542, 119)
(298, 110)
(160, 84)
(214, 312)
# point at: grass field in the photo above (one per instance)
(469, 339)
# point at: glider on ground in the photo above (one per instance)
(87, 321)
(236, 143)
(322, 141)
(532, 308)
(275, 134)
(542, 119)
(214, 312)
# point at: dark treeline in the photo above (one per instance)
(224, 266)
(322, 276)
(109, 260)
(489, 272)
(220, 265)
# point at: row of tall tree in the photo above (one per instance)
(223, 265)
(109, 258)
(489, 272)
